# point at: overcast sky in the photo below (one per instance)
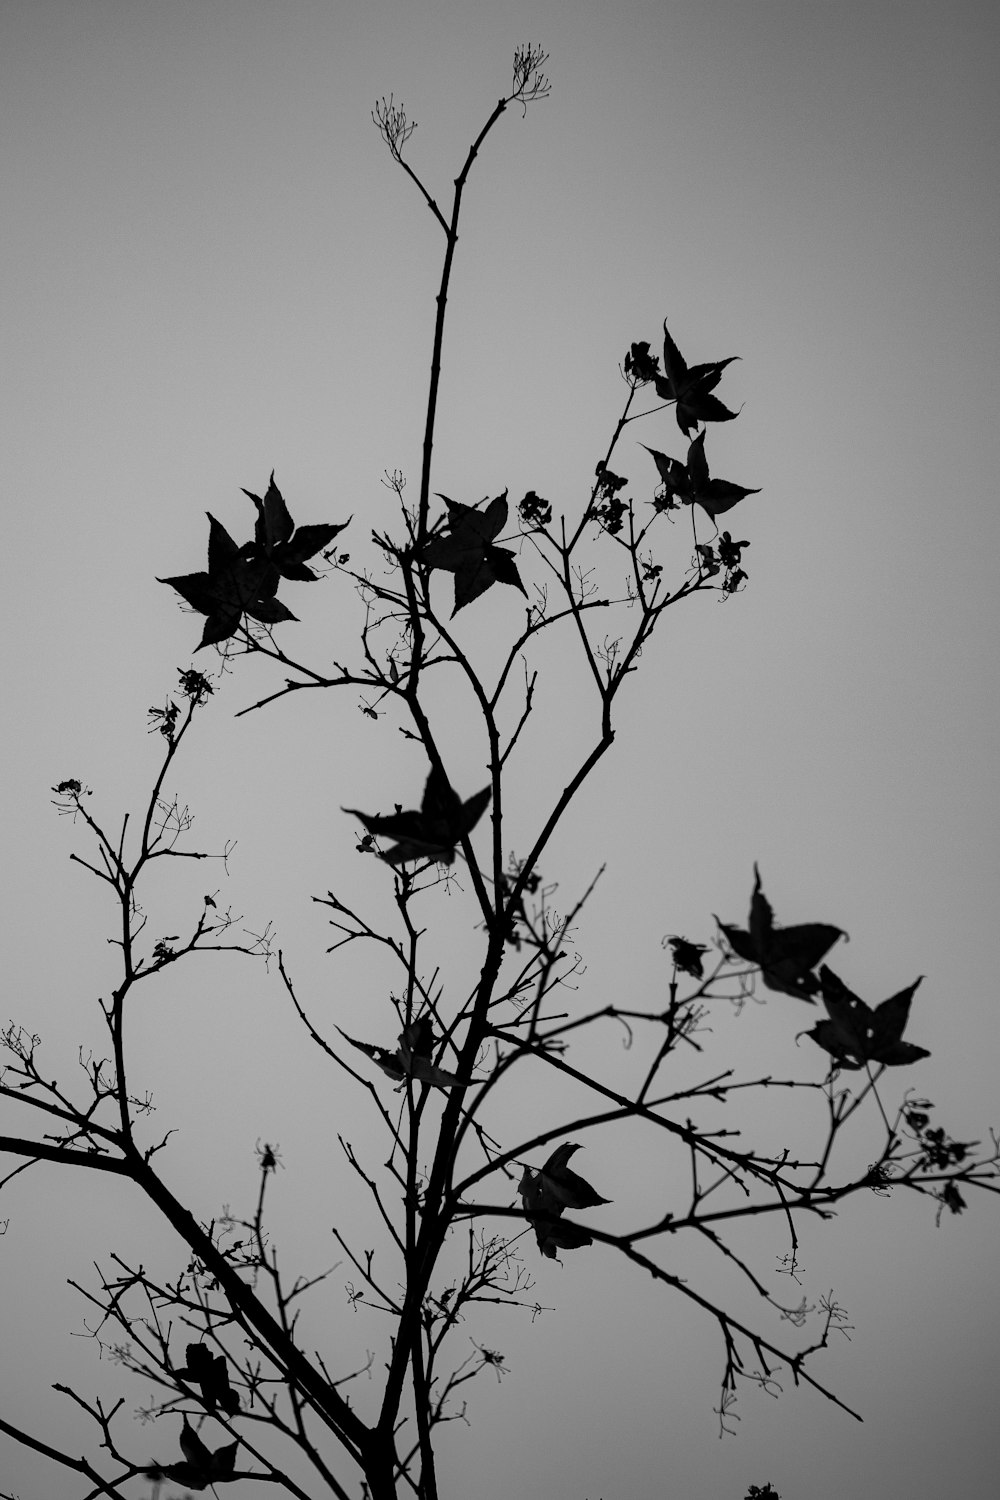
(211, 268)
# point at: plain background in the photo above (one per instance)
(212, 269)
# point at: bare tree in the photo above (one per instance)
(465, 1200)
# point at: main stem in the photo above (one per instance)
(442, 304)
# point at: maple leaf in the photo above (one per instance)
(855, 1033)
(201, 1467)
(691, 388)
(235, 584)
(412, 1058)
(388, 1061)
(785, 955)
(713, 495)
(690, 484)
(467, 550)
(556, 1186)
(433, 831)
(277, 540)
(544, 1195)
(209, 1371)
(416, 1044)
(244, 580)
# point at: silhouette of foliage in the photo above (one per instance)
(786, 956)
(200, 1467)
(433, 832)
(209, 1372)
(243, 580)
(855, 1034)
(550, 1190)
(412, 1058)
(692, 485)
(690, 389)
(277, 539)
(466, 549)
(448, 1162)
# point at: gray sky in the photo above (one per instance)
(211, 269)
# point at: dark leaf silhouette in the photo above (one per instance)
(235, 584)
(433, 831)
(201, 1467)
(691, 388)
(466, 549)
(413, 1057)
(556, 1186)
(277, 540)
(244, 580)
(691, 485)
(416, 1044)
(547, 1192)
(785, 955)
(209, 1371)
(855, 1033)
(416, 1047)
(388, 1061)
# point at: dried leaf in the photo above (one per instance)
(550, 1190)
(559, 1186)
(210, 1372)
(201, 1467)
